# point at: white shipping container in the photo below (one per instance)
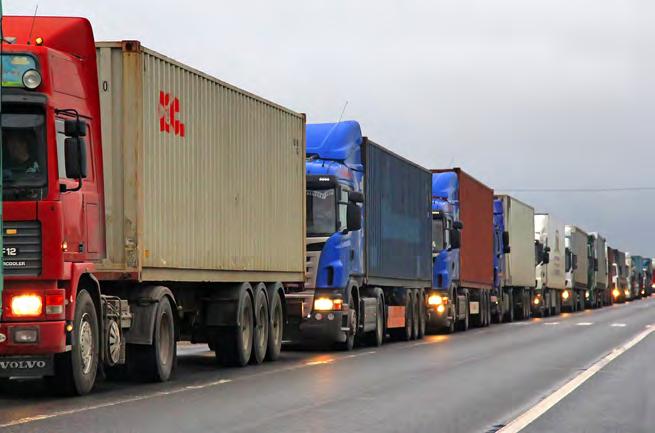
(577, 241)
(203, 181)
(551, 233)
(520, 262)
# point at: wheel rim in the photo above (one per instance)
(165, 334)
(86, 344)
(114, 342)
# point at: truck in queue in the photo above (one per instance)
(550, 270)
(462, 237)
(368, 225)
(577, 265)
(514, 259)
(636, 275)
(598, 294)
(618, 275)
(142, 217)
(647, 286)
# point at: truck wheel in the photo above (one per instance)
(261, 329)
(234, 344)
(155, 362)
(422, 313)
(463, 325)
(376, 338)
(75, 371)
(348, 345)
(276, 328)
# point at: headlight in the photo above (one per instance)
(441, 309)
(627, 292)
(26, 305)
(327, 304)
(616, 293)
(586, 294)
(435, 300)
(565, 295)
(31, 79)
(536, 301)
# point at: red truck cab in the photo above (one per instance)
(53, 193)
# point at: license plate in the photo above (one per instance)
(26, 366)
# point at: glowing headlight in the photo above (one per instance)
(26, 305)
(31, 79)
(627, 292)
(536, 301)
(435, 300)
(586, 294)
(616, 293)
(565, 295)
(441, 309)
(327, 304)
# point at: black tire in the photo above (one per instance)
(510, 312)
(422, 314)
(276, 327)
(463, 325)
(156, 362)
(376, 337)
(76, 370)
(349, 344)
(261, 328)
(234, 345)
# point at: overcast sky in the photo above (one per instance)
(520, 93)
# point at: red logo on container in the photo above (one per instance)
(168, 110)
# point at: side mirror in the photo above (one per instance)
(506, 248)
(75, 128)
(546, 257)
(458, 225)
(75, 156)
(455, 239)
(574, 261)
(355, 197)
(353, 217)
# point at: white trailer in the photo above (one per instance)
(549, 272)
(577, 263)
(517, 277)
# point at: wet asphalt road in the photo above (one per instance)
(469, 382)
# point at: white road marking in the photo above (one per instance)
(618, 325)
(551, 323)
(527, 417)
(584, 323)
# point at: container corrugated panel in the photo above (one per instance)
(204, 182)
(476, 214)
(578, 243)
(398, 218)
(520, 262)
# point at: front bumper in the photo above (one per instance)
(307, 326)
(51, 338)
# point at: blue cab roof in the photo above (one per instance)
(340, 141)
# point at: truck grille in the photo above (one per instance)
(21, 248)
(314, 248)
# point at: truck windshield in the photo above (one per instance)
(321, 212)
(23, 155)
(437, 235)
